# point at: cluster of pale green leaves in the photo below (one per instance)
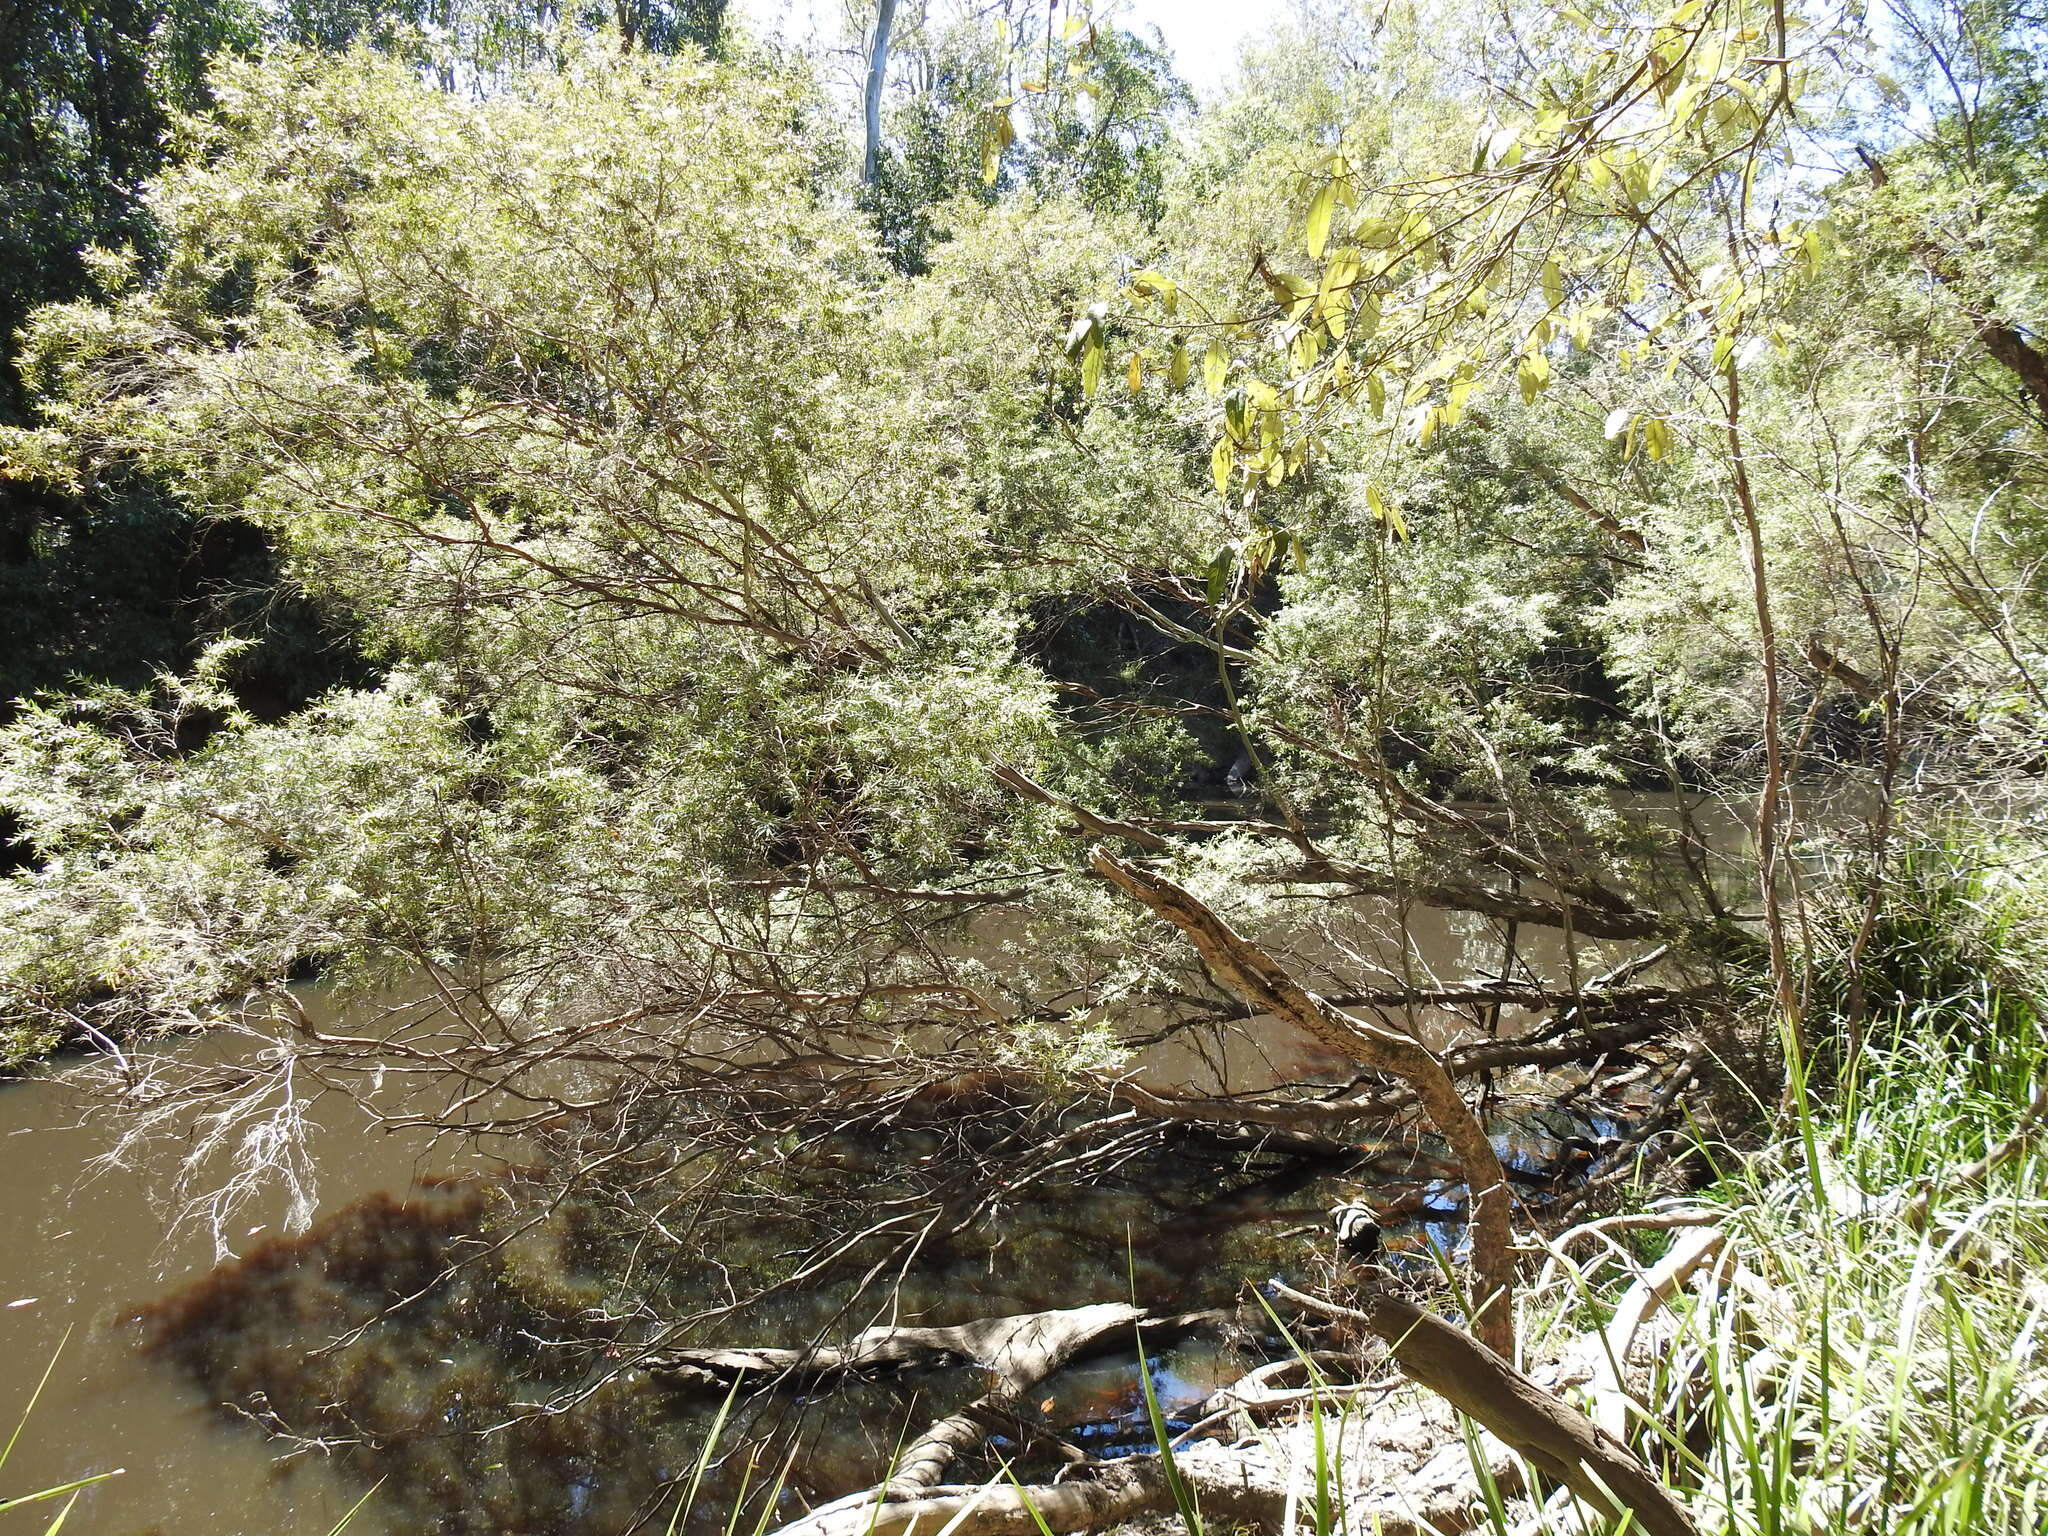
(715, 562)
(698, 542)
(1627, 271)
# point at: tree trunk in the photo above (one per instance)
(871, 101)
(1557, 1439)
(1264, 984)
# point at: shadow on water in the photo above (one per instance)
(396, 1331)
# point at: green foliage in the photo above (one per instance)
(475, 45)
(1040, 101)
(1421, 453)
(1416, 437)
(91, 91)
(731, 455)
(1901, 1385)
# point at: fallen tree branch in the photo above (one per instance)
(1020, 1350)
(1261, 981)
(1651, 1291)
(1556, 1438)
(1229, 1487)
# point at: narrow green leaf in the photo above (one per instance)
(1030, 1508)
(1216, 366)
(1183, 1495)
(63, 1514)
(59, 1491)
(1320, 210)
(1222, 458)
(7, 1450)
(355, 1509)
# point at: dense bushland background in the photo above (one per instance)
(524, 505)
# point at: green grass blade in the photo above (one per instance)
(1030, 1508)
(689, 1499)
(1183, 1495)
(355, 1509)
(8, 1449)
(58, 1492)
(63, 1514)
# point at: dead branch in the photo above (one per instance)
(1264, 983)
(1651, 1291)
(1557, 1439)
(1020, 1351)
(1230, 1487)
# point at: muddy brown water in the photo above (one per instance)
(82, 1248)
(86, 1254)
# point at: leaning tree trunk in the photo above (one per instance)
(1263, 983)
(1554, 1437)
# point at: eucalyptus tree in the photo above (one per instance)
(980, 102)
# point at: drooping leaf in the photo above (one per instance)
(1216, 366)
(1220, 565)
(1320, 210)
(1387, 513)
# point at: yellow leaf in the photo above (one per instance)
(1216, 366)
(1388, 514)
(1134, 374)
(1281, 286)
(1320, 211)
(1221, 459)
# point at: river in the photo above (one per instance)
(87, 1265)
